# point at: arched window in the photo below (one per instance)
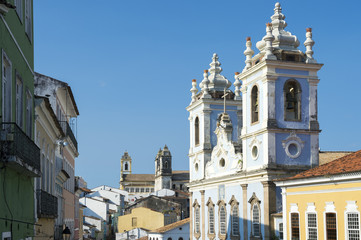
(222, 220)
(197, 219)
(180, 238)
(235, 221)
(254, 104)
(234, 217)
(165, 164)
(126, 166)
(196, 131)
(256, 216)
(292, 100)
(169, 238)
(211, 232)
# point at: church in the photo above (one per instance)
(243, 140)
(142, 185)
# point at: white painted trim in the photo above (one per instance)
(311, 209)
(293, 209)
(17, 45)
(5, 235)
(284, 210)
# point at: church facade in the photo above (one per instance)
(242, 140)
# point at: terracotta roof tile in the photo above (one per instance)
(171, 226)
(347, 164)
(143, 238)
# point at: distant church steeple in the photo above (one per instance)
(163, 169)
(125, 166)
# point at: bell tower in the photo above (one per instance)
(163, 169)
(125, 167)
(205, 112)
(279, 92)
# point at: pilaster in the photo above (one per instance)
(191, 223)
(244, 203)
(269, 192)
(203, 208)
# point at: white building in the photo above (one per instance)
(175, 231)
(241, 140)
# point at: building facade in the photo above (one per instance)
(241, 141)
(63, 103)
(20, 157)
(324, 202)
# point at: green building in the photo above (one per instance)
(19, 155)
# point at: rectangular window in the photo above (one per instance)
(280, 230)
(29, 111)
(311, 226)
(211, 220)
(295, 226)
(28, 19)
(331, 227)
(19, 9)
(19, 101)
(134, 222)
(197, 220)
(6, 88)
(353, 226)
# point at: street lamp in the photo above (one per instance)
(66, 233)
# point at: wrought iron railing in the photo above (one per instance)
(69, 132)
(14, 142)
(47, 204)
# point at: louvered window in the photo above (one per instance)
(211, 220)
(331, 226)
(222, 220)
(235, 221)
(255, 221)
(295, 226)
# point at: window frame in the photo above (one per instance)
(234, 208)
(211, 206)
(196, 131)
(255, 115)
(19, 9)
(8, 90)
(197, 223)
(299, 100)
(351, 208)
(222, 205)
(28, 20)
(311, 209)
(254, 201)
(19, 100)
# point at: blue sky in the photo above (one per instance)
(130, 66)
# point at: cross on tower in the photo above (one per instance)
(224, 96)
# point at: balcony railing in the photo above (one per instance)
(14, 142)
(69, 132)
(47, 204)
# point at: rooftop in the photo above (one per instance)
(171, 226)
(347, 164)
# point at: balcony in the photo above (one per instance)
(18, 150)
(69, 132)
(47, 204)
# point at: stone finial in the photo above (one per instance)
(249, 53)
(309, 44)
(194, 90)
(237, 85)
(204, 85)
(282, 39)
(269, 39)
(217, 81)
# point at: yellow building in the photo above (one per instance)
(324, 202)
(141, 218)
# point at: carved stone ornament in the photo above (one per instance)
(293, 145)
(224, 160)
(255, 147)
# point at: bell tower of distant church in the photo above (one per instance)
(125, 167)
(205, 112)
(163, 169)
